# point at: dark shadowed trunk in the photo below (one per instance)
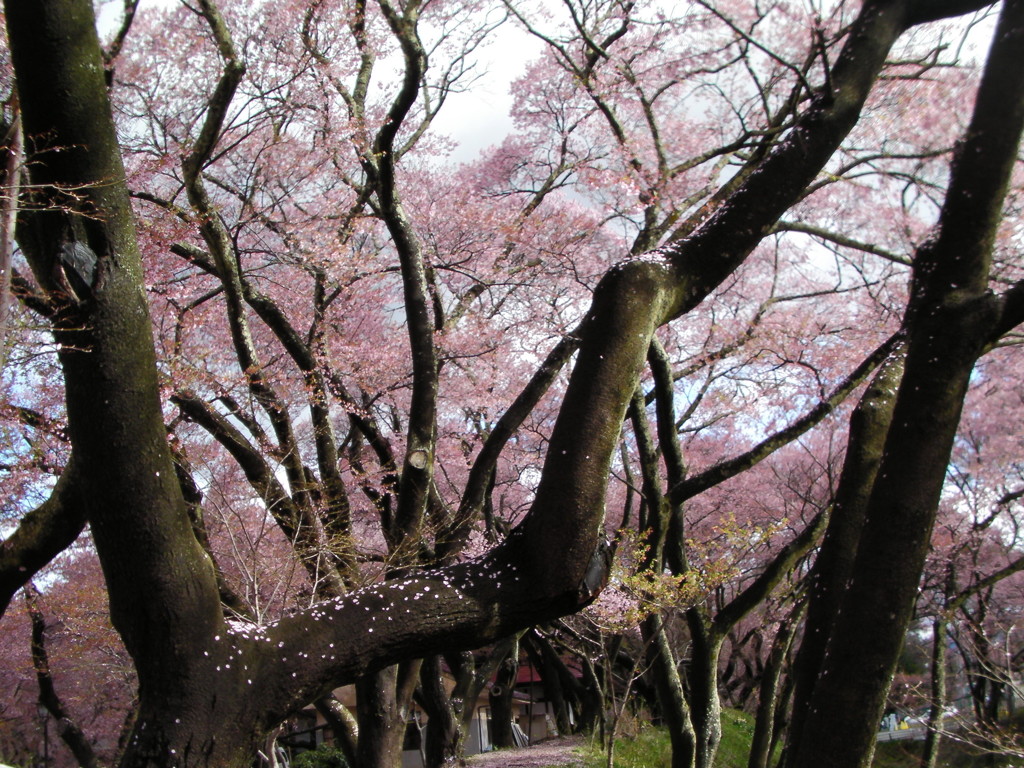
(445, 736)
(551, 670)
(768, 703)
(502, 713)
(950, 321)
(384, 699)
(869, 424)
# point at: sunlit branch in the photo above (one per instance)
(841, 240)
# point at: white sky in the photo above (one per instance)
(480, 117)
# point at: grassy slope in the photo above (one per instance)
(650, 749)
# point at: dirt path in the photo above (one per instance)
(550, 752)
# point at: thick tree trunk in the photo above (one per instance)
(869, 425)
(194, 707)
(210, 694)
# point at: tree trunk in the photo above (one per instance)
(869, 425)
(705, 706)
(768, 692)
(950, 319)
(382, 708)
(502, 714)
(343, 726)
(210, 694)
(932, 739)
(782, 712)
(445, 737)
(551, 669)
(671, 697)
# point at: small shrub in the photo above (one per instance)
(324, 756)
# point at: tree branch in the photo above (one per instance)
(923, 11)
(67, 729)
(840, 239)
(759, 589)
(42, 534)
(722, 471)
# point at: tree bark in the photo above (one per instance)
(869, 424)
(343, 725)
(932, 739)
(763, 740)
(672, 698)
(445, 736)
(950, 320)
(552, 674)
(383, 710)
(502, 713)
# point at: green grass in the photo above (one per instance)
(904, 754)
(737, 731)
(650, 748)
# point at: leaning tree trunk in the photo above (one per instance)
(768, 704)
(343, 725)
(869, 425)
(551, 668)
(950, 320)
(445, 735)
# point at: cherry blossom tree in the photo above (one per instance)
(286, 202)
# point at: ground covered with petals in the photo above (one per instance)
(558, 751)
